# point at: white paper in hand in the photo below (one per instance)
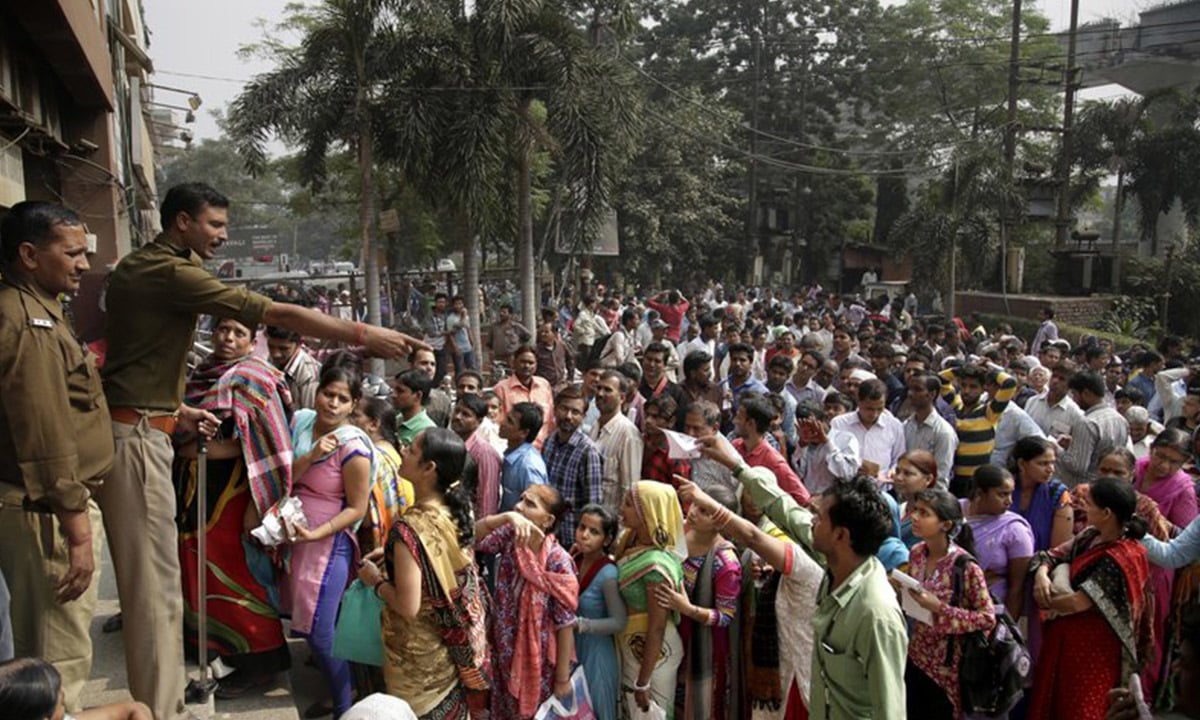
(908, 603)
(680, 446)
(280, 522)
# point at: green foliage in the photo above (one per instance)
(1104, 140)
(1152, 144)
(676, 202)
(1132, 316)
(257, 200)
(1027, 328)
(499, 114)
(939, 70)
(1149, 277)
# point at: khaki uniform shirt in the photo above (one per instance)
(55, 433)
(153, 299)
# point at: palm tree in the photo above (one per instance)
(322, 94)
(952, 226)
(1105, 137)
(482, 94)
(1163, 160)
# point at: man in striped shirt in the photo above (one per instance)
(977, 417)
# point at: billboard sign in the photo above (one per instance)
(248, 241)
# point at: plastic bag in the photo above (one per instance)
(358, 636)
(654, 713)
(580, 702)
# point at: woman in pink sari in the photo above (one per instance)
(1160, 476)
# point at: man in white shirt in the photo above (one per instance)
(644, 335)
(1046, 332)
(1101, 429)
(587, 327)
(622, 345)
(1141, 431)
(1014, 424)
(1054, 411)
(617, 438)
(710, 328)
(880, 435)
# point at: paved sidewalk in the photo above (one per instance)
(108, 683)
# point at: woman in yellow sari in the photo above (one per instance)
(434, 624)
(654, 549)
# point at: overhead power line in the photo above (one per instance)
(796, 143)
(795, 167)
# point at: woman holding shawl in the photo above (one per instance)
(333, 469)
(654, 550)
(537, 592)
(249, 470)
(434, 625)
(1101, 631)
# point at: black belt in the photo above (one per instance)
(27, 504)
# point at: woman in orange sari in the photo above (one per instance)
(1099, 631)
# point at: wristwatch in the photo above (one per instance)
(741, 468)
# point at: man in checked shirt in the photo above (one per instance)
(573, 462)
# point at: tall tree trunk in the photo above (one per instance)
(470, 289)
(525, 267)
(366, 208)
(1118, 208)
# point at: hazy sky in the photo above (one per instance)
(194, 45)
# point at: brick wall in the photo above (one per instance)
(1082, 311)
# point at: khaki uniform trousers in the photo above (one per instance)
(33, 557)
(139, 514)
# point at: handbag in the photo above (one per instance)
(1060, 584)
(358, 635)
(577, 707)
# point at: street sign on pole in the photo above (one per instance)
(389, 221)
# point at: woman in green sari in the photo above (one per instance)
(654, 543)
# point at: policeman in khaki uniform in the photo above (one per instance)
(56, 444)
(154, 297)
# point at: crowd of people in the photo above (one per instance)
(699, 505)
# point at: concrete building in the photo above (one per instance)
(76, 126)
(1161, 51)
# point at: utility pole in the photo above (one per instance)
(799, 200)
(752, 191)
(950, 299)
(1010, 144)
(1063, 220)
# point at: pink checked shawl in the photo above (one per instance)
(256, 394)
